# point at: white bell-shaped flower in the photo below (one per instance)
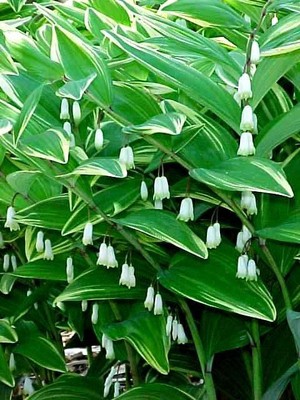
(6, 262)
(84, 305)
(165, 186)
(124, 279)
(255, 53)
(274, 20)
(116, 389)
(174, 329)
(28, 388)
(39, 244)
(1, 241)
(88, 234)
(149, 301)
(181, 336)
(95, 313)
(70, 270)
(13, 260)
(247, 235)
(48, 253)
(186, 211)
(10, 222)
(169, 325)
(76, 113)
(248, 202)
(111, 258)
(158, 304)
(242, 267)
(99, 139)
(212, 241)
(68, 128)
(103, 254)
(240, 242)
(244, 87)
(247, 123)
(64, 109)
(132, 279)
(161, 188)
(246, 147)
(217, 229)
(12, 362)
(126, 157)
(158, 205)
(144, 191)
(251, 271)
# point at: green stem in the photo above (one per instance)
(206, 372)
(256, 361)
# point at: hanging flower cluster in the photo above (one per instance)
(127, 277)
(65, 116)
(175, 330)
(246, 268)
(213, 236)
(126, 157)
(106, 256)
(242, 239)
(153, 300)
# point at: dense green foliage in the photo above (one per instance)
(111, 110)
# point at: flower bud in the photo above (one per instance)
(13, 261)
(174, 329)
(76, 113)
(144, 191)
(64, 109)
(84, 305)
(274, 20)
(70, 270)
(95, 313)
(169, 325)
(149, 301)
(99, 140)
(48, 253)
(39, 245)
(246, 147)
(88, 234)
(6, 262)
(11, 223)
(186, 211)
(158, 304)
(244, 87)
(247, 123)
(255, 53)
(28, 387)
(67, 127)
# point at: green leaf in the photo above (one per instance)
(211, 12)
(51, 145)
(7, 65)
(194, 83)
(154, 391)
(213, 282)
(16, 5)
(153, 348)
(246, 173)
(38, 348)
(269, 71)
(278, 387)
(24, 49)
(112, 201)
(100, 284)
(5, 374)
(157, 223)
(293, 319)
(75, 89)
(27, 111)
(101, 167)
(279, 130)
(70, 387)
(5, 126)
(170, 124)
(7, 332)
(50, 213)
(112, 9)
(42, 269)
(65, 45)
(288, 231)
